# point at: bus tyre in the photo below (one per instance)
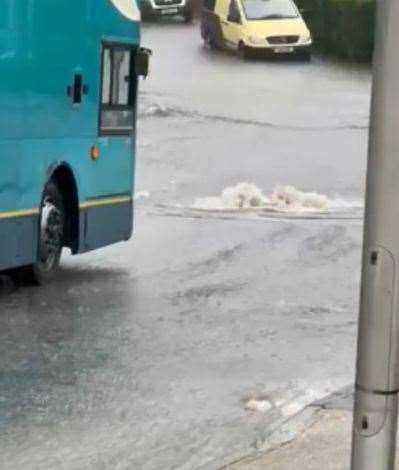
(243, 51)
(51, 236)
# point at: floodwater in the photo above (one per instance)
(188, 346)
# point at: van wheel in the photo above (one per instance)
(244, 52)
(51, 237)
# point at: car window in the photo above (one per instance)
(269, 9)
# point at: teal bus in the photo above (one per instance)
(68, 92)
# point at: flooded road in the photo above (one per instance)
(190, 345)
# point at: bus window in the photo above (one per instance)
(118, 90)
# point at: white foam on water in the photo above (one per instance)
(247, 196)
(261, 405)
(288, 197)
(302, 394)
(340, 203)
(154, 110)
(243, 196)
(142, 195)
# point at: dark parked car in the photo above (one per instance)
(159, 8)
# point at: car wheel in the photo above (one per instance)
(51, 237)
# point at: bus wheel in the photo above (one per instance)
(51, 236)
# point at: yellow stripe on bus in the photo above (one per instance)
(105, 202)
(20, 213)
(84, 205)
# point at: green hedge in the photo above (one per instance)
(344, 28)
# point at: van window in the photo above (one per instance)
(233, 9)
(269, 9)
(209, 5)
(118, 90)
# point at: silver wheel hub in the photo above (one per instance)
(51, 234)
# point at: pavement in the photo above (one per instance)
(323, 444)
(320, 436)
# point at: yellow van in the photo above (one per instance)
(247, 26)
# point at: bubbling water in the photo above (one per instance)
(245, 196)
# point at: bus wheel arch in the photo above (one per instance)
(65, 180)
(58, 225)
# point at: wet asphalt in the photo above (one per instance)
(143, 355)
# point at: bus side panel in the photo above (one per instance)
(108, 178)
(18, 241)
(18, 214)
(107, 225)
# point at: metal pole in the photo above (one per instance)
(377, 382)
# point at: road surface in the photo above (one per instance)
(188, 346)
